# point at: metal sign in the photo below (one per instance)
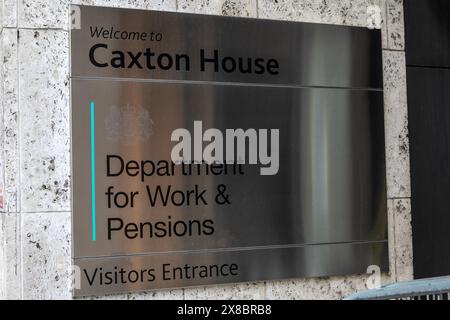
(212, 150)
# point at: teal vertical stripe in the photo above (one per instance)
(94, 220)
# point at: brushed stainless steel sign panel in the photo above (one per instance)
(174, 270)
(234, 49)
(330, 187)
(138, 215)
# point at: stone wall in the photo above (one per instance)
(35, 143)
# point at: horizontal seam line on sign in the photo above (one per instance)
(427, 67)
(203, 82)
(287, 246)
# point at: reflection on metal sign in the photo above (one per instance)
(212, 150)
